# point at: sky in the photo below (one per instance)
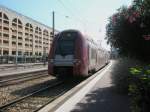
(88, 16)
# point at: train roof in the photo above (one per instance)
(71, 30)
(89, 40)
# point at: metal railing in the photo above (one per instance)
(22, 59)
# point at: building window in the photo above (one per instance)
(19, 22)
(13, 37)
(14, 31)
(14, 24)
(5, 41)
(26, 34)
(26, 53)
(19, 52)
(13, 43)
(20, 44)
(36, 41)
(36, 53)
(20, 33)
(20, 38)
(6, 22)
(40, 32)
(31, 35)
(19, 26)
(6, 35)
(36, 37)
(31, 30)
(13, 52)
(0, 52)
(6, 28)
(27, 45)
(26, 39)
(5, 52)
(15, 20)
(0, 14)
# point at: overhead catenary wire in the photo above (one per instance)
(77, 18)
(82, 18)
(70, 11)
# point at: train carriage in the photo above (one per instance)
(72, 54)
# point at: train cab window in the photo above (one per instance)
(65, 45)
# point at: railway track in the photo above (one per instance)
(33, 102)
(35, 99)
(19, 79)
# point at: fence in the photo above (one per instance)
(22, 59)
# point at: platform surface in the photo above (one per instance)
(20, 70)
(103, 97)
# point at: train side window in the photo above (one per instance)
(93, 53)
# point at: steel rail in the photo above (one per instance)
(29, 95)
(21, 79)
(51, 100)
(59, 95)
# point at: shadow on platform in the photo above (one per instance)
(105, 97)
(103, 100)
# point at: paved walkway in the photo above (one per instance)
(19, 64)
(103, 98)
(99, 95)
(19, 70)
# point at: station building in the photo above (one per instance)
(22, 39)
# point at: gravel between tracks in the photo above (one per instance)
(36, 101)
(14, 91)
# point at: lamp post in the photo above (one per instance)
(53, 23)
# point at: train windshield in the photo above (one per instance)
(65, 45)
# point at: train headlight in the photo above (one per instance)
(74, 61)
(77, 61)
(51, 61)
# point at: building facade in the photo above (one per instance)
(22, 39)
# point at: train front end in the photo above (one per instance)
(65, 57)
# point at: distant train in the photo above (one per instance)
(72, 54)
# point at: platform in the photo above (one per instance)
(98, 95)
(20, 70)
(19, 64)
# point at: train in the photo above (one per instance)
(73, 54)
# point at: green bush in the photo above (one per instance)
(139, 88)
(120, 73)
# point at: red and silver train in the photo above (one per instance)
(72, 54)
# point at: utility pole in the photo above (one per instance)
(53, 23)
(44, 56)
(17, 47)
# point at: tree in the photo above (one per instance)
(129, 30)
